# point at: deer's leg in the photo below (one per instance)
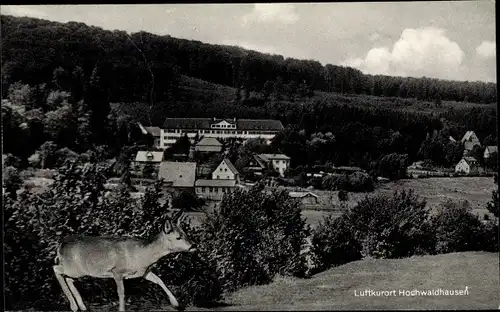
(121, 291)
(76, 294)
(58, 270)
(155, 279)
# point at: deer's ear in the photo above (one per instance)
(167, 227)
(181, 219)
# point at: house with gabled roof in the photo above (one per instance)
(226, 171)
(208, 145)
(489, 150)
(306, 198)
(154, 131)
(280, 162)
(469, 140)
(225, 177)
(147, 159)
(468, 165)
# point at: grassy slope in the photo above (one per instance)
(334, 289)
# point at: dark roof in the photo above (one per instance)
(241, 124)
(470, 160)
(268, 157)
(182, 174)
(215, 183)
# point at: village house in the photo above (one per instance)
(174, 128)
(468, 165)
(214, 189)
(489, 150)
(178, 175)
(279, 162)
(226, 171)
(225, 177)
(154, 131)
(254, 165)
(306, 198)
(145, 158)
(208, 145)
(469, 140)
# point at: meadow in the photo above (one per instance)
(476, 190)
(334, 288)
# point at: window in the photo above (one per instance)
(218, 177)
(220, 169)
(210, 189)
(203, 189)
(225, 169)
(216, 189)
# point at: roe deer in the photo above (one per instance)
(118, 258)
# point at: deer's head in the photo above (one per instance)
(174, 237)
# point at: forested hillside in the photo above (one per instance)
(78, 86)
(130, 61)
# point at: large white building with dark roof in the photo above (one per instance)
(174, 128)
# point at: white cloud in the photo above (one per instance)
(418, 52)
(487, 49)
(268, 13)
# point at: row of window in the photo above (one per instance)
(223, 126)
(218, 132)
(215, 189)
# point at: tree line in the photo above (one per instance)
(137, 63)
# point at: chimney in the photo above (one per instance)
(234, 119)
(214, 119)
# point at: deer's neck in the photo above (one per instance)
(157, 248)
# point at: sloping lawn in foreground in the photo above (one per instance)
(334, 289)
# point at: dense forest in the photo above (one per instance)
(134, 63)
(75, 86)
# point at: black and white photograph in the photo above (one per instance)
(250, 156)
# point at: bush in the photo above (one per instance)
(333, 243)
(253, 236)
(379, 226)
(355, 182)
(76, 204)
(393, 226)
(457, 229)
(11, 181)
(187, 201)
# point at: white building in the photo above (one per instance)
(226, 171)
(279, 162)
(174, 128)
(468, 165)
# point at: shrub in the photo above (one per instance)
(11, 181)
(333, 243)
(12, 161)
(457, 229)
(187, 201)
(76, 204)
(253, 236)
(392, 226)
(355, 182)
(489, 237)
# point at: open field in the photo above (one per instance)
(334, 289)
(476, 190)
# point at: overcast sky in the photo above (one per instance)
(451, 40)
